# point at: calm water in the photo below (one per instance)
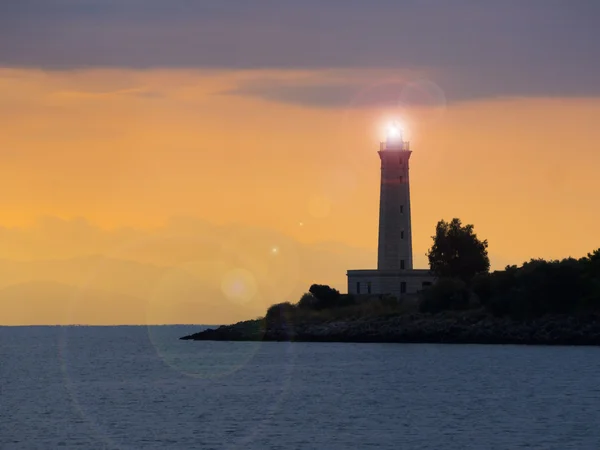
(141, 388)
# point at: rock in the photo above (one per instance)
(457, 327)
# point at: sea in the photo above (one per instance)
(140, 387)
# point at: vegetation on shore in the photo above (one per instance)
(541, 301)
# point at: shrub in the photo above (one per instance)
(308, 302)
(482, 288)
(346, 300)
(389, 301)
(445, 294)
(542, 287)
(327, 297)
(280, 313)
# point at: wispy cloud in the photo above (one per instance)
(133, 92)
(403, 89)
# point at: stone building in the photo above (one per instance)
(395, 274)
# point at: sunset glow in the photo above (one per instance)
(204, 193)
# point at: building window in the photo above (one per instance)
(358, 287)
(402, 234)
(403, 287)
(401, 264)
(400, 178)
(402, 209)
(368, 287)
(426, 284)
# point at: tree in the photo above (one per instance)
(593, 263)
(457, 252)
(327, 297)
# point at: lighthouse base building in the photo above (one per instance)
(394, 274)
(378, 282)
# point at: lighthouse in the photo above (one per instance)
(395, 242)
(395, 274)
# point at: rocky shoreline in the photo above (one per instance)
(448, 327)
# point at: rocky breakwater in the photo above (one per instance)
(466, 327)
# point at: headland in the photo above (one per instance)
(387, 326)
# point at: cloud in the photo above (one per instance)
(133, 92)
(388, 89)
(331, 94)
(471, 49)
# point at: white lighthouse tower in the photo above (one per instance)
(395, 241)
(395, 274)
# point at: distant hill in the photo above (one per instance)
(93, 272)
(201, 289)
(48, 302)
(44, 302)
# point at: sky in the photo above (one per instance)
(196, 161)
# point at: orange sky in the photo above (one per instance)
(136, 148)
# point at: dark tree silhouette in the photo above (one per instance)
(327, 297)
(308, 301)
(280, 313)
(457, 252)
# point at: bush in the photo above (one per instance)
(327, 297)
(345, 300)
(308, 302)
(445, 294)
(538, 288)
(482, 288)
(389, 301)
(542, 287)
(280, 313)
